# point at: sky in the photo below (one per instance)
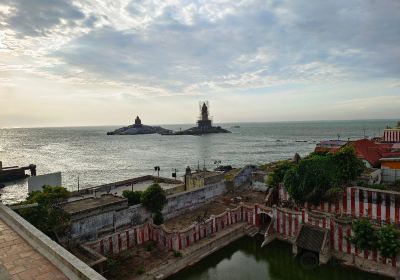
(102, 62)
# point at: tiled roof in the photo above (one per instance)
(372, 152)
(310, 238)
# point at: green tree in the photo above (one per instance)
(310, 180)
(134, 197)
(322, 176)
(154, 198)
(47, 216)
(388, 241)
(278, 173)
(348, 166)
(364, 236)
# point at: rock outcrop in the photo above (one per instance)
(139, 128)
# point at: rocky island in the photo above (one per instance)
(139, 128)
(204, 125)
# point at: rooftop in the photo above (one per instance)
(310, 238)
(27, 253)
(19, 260)
(205, 174)
(91, 203)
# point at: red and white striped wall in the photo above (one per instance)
(391, 135)
(287, 224)
(381, 206)
(174, 240)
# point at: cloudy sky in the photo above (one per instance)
(101, 62)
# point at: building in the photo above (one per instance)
(390, 169)
(200, 179)
(329, 145)
(371, 152)
(392, 135)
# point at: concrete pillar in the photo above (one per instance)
(257, 218)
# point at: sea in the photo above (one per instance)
(91, 157)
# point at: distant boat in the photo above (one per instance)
(235, 126)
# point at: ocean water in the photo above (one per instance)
(96, 158)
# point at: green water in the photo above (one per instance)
(244, 259)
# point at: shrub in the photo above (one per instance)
(132, 196)
(154, 198)
(158, 218)
(177, 254)
(278, 173)
(364, 234)
(150, 245)
(388, 241)
(47, 216)
(140, 270)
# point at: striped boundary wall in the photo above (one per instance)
(391, 135)
(288, 222)
(381, 207)
(174, 240)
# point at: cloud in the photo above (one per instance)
(182, 45)
(202, 48)
(36, 18)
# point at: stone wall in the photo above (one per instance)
(189, 200)
(173, 240)
(244, 176)
(91, 227)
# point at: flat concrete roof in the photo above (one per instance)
(205, 174)
(91, 203)
(390, 159)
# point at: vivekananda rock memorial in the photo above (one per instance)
(139, 128)
(204, 126)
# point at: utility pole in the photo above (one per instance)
(174, 173)
(157, 168)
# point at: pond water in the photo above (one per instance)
(244, 259)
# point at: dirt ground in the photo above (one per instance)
(136, 261)
(218, 206)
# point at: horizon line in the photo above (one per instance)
(221, 123)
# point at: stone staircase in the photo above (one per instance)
(251, 230)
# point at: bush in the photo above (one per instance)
(150, 245)
(112, 262)
(47, 216)
(133, 197)
(278, 173)
(388, 241)
(177, 254)
(154, 198)
(364, 234)
(158, 218)
(140, 270)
